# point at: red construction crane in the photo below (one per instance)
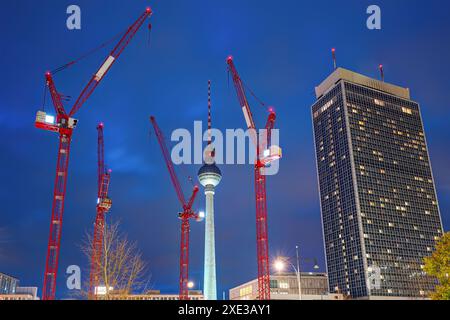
(265, 156)
(64, 124)
(184, 216)
(103, 206)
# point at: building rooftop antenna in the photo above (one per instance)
(381, 72)
(333, 52)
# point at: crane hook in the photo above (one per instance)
(149, 33)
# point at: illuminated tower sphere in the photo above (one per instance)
(209, 176)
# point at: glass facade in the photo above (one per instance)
(378, 201)
(8, 284)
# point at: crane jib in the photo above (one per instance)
(104, 68)
(247, 118)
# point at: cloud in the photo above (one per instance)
(121, 160)
(4, 241)
(3, 235)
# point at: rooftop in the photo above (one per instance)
(353, 77)
(8, 276)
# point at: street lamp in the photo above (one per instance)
(298, 274)
(280, 265)
(190, 284)
(316, 266)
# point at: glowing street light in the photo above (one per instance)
(279, 265)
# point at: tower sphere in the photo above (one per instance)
(209, 174)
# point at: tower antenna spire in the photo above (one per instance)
(209, 114)
(210, 151)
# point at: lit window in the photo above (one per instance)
(324, 108)
(246, 291)
(50, 119)
(406, 110)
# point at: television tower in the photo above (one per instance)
(209, 176)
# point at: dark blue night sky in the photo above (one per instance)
(282, 50)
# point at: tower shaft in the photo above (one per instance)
(210, 284)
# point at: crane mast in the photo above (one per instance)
(64, 124)
(103, 207)
(184, 216)
(264, 157)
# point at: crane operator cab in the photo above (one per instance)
(271, 154)
(104, 203)
(51, 123)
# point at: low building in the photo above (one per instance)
(157, 295)
(21, 293)
(10, 290)
(284, 286)
(8, 284)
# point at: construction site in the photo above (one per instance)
(200, 156)
(64, 123)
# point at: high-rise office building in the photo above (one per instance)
(380, 212)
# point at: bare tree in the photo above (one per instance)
(120, 268)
